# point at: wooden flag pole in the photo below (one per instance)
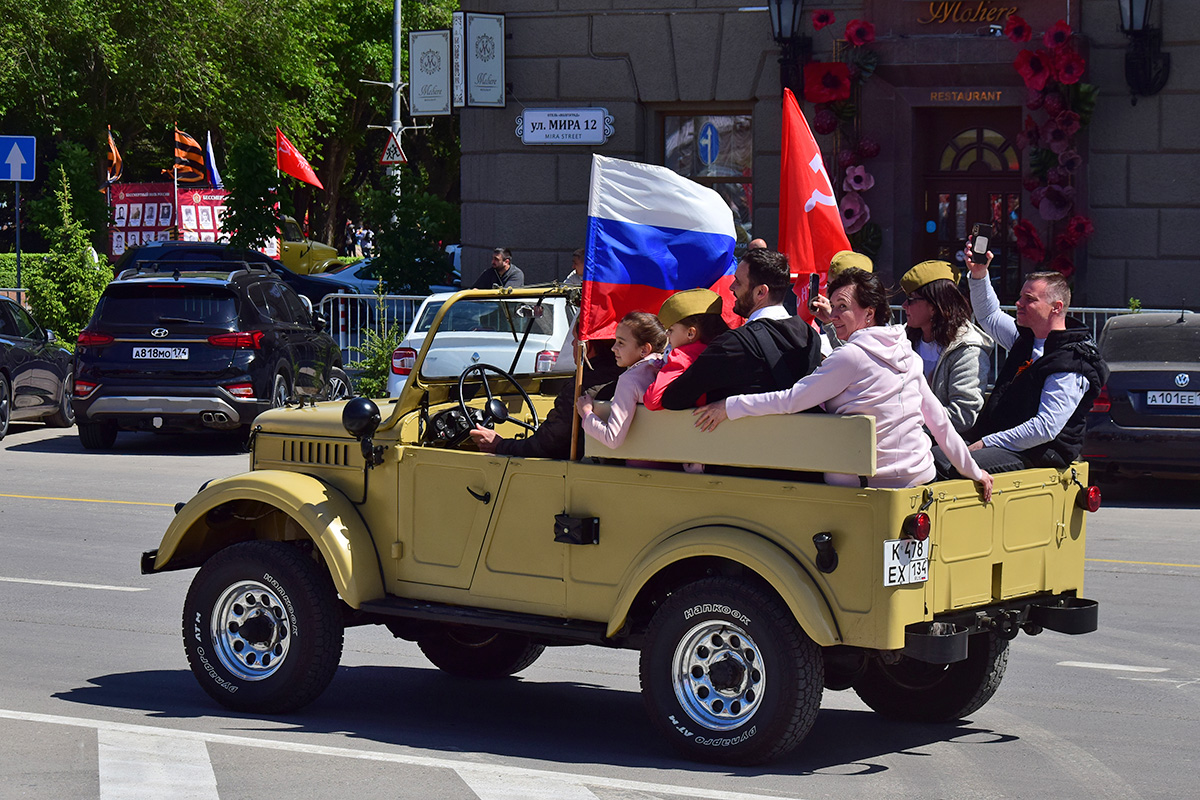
(574, 408)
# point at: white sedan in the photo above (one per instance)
(487, 331)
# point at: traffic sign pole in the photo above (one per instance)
(17, 152)
(17, 211)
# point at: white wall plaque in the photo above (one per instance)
(484, 47)
(429, 73)
(564, 126)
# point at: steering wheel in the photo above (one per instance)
(494, 410)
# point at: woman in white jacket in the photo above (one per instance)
(954, 351)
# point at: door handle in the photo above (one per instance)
(484, 498)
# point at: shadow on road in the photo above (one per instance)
(562, 722)
(1149, 492)
(128, 443)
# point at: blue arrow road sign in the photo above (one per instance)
(18, 158)
(710, 144)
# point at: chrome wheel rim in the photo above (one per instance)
(718, 675)
(338, 388)
(250, 630)
(68, 390)
(279, 394)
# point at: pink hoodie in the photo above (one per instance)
(878, 374)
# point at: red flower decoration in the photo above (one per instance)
(1018, 30)
(847, 158)
(1034, 68)
(1030, 184)
(821, 18)
(1068, 66)
(1035, 100)
(1054, 137)
(1028, 242)
(1058, 176)
(854, 211)
(1063, 264)
(1080, 227)
(859, 32)
(1055, 201)
(1065, 242)
(1070, 160)
(826, 82)
(1030, 136)
(867, 148)
(1057, 36)
(1069, 122)
(1054, 103)
(825, 121)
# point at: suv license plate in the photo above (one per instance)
(905, 561)
(1173, 398)
(161, 353)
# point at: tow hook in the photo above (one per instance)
(1005, 624)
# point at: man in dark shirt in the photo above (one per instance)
(770, 352)
(502, 273)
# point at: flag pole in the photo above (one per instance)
(175, 176)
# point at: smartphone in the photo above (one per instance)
(814, 286)
(981, 236)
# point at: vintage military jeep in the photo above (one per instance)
(747, 594)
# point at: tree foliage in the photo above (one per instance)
(414, 229)
(251, 180)
(65, 287)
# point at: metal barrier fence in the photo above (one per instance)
(352, 315)
(14, 294)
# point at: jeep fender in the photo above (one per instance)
(323, 513)
(787, 576)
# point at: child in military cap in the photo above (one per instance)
(692, 318)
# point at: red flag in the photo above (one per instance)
(289, 160)
(810, 225)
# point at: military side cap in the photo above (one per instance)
(927, 272)
(687, 303)
(845, 259)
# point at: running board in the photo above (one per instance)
(553, 628)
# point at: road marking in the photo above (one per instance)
(87, 500)
(492, 784)
(1116, 667)
(71, 585)
(145, 766)
(500, 771)
(1142, 563)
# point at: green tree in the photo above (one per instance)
(414, 229)
(64, 289)
(250, 216)
(91, 208)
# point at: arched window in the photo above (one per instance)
(979, 150)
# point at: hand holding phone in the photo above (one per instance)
(981, 236)
(814, 286)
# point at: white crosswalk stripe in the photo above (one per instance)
(496, 785)
(145, 766)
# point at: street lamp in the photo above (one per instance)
(1146, 66)
(794, 49)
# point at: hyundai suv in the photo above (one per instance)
(207, 348)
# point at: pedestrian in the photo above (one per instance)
(503, 273)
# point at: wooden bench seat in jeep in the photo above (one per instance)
(810, 442)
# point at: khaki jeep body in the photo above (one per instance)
(747, 593)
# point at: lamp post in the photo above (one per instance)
(794, 49)
(1146, 66)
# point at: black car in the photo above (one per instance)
(184, 254)
(209, 348)
(1147, 418)
(35, 373)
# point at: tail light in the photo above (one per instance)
(238, 340)
(1088, 498)
(242, 390)
(545, 361)
(1103, 403)
(915, 526)
(92, 339)
(403, 360)
(83, 389)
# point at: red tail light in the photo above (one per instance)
(1103, 402)
(84, 389)
(1089, 498)
(244, 390)
(545, 361)
(239, 340)
(915, 526)
(92, 339)
(403, 360)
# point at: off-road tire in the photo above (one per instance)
(920, 692)
(262, 628)
(97, 435)
(469, 652)
(64, 415)
(728, 675)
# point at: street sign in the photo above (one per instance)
(392, 154)
(710, 144)
(18, 158)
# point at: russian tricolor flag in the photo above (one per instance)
(651, 233)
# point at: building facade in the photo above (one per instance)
(936, 139)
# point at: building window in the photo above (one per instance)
(716, 150)
(977, 150)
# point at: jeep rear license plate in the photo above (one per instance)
(1173, 398)
(905, 561)
(161, 353)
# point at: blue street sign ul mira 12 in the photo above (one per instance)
(18, 158)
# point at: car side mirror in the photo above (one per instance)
(319, 322)
(50, 336)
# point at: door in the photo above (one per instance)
(972, 174)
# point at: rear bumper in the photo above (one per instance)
(1111, 447)
(218, 410)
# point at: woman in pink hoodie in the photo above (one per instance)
(877, 374)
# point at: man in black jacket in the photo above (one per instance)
(770, 352)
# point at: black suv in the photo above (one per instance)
(177, 347)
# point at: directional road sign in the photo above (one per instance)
(18, 158)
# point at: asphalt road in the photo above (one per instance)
(96, 699)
